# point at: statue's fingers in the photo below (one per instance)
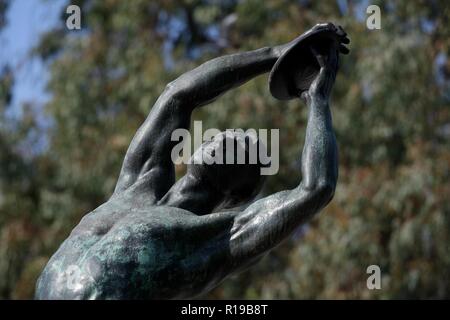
(343, 49)
(327, 25)
(341, 32)
(345, 40)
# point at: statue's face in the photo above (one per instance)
(217, 162)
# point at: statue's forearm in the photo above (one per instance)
(268, 221)
(213, 78)
(319, 157)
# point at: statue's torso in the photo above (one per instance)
(129, 250)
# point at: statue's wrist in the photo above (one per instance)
(319, 101)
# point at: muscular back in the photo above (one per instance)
(119, 251)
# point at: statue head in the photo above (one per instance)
(230, 165)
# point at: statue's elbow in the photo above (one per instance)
(322, 192)
(326, 191)
(180, 88)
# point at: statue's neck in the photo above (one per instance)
(193, 195)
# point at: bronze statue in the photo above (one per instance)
(157, 238)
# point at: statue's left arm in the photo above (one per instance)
(268, 221)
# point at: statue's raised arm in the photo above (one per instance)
(268, 221)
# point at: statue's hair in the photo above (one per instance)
(238, 183)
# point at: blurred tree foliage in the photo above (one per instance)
(391, 114)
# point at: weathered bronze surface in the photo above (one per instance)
(157, 238)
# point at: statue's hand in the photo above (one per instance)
(328, 59)
(340, 34)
